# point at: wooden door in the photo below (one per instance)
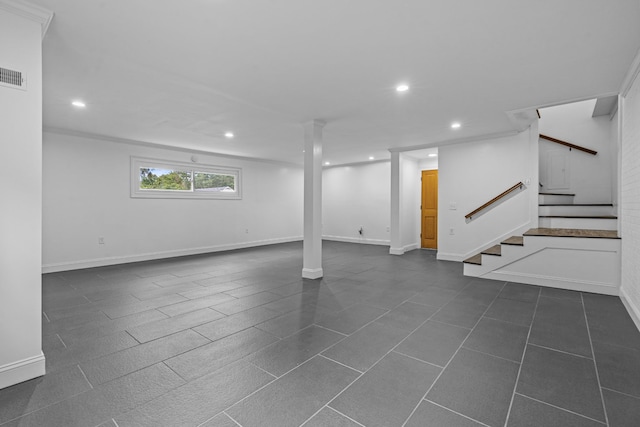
(429, 208)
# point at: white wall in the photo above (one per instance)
(430, 163)
(20, 216)
(630, 200)
(473, 173)
(86, 196)
(354, 196)
(589, 176)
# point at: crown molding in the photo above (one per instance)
(454, 141)
(107, 138)
(633, 72)
(29, 11)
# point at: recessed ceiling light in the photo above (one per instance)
(455, 125)
(402, 88)
(433, 155)
(371, 158)
(78, 104)
(327, 163)
(229, 134)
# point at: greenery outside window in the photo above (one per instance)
(166, 179)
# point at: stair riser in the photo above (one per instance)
(575, 210)
(584, 223)
(576, 263)
(544, 199)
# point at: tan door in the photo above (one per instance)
(429, 209)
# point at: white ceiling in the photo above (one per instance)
(182, 73)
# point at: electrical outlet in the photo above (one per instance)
(452, 231)
(246, 230)
(101, 240)
(387, 229)
(453, 206)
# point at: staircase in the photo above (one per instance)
(576, 247)
(557, 210)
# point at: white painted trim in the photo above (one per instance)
(22, 370)
(554, 282)
(411, 247)
(101, 262)
(454, 141)
(443, 256)
(404, 249)
(521, 229)
(29, 11)
(634, 311)
(312, 273)
(98, 137)
(360, 240)
(631, 75)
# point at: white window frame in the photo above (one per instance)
(143, 162)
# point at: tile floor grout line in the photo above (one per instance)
(326, 405)
(450, 324)
(559, 408)
(276, 378)
(385, 355)
(455, 412)
(560, 351)
(524, 353)
(417, 359)
(115, 422)
(253, 364)
(595, 365)
(231, 418)
(621, 392)
(63, 343)
(424, 397)
(505, 321)
(325, 328)
(339, 363)
(46, 317)
(186, 381)
(492, 355)
(85, 376)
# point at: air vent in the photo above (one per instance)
(11, 78)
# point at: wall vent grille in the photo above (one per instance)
(12, 78)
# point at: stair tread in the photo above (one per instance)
(556, 194)
(514, 240)
(476, 259)
(573, 232)
(581, 216)
(493, 250)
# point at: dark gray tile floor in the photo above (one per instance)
(239, 339)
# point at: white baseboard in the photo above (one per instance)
(633, 310)
(404, 249)
(101, 262)
(443, 256)
(312, 273)
(554, 282)
(22, 370)
(361, 240)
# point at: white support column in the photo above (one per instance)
(312, 245)
(22, 27)
(396, 234)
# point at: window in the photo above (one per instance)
(165, 179)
